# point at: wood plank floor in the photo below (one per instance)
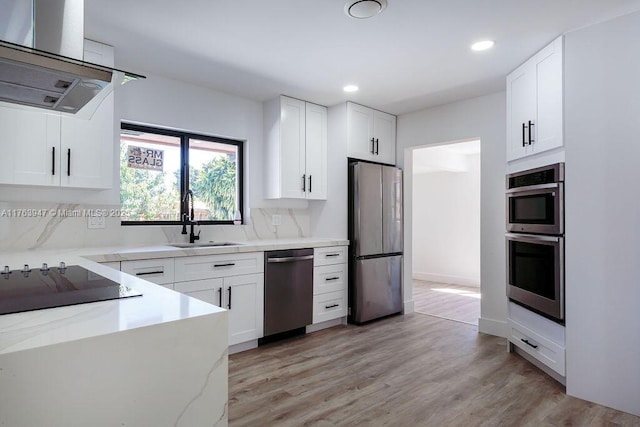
(454, 302)
(411, 370)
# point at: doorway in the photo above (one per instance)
(446, 231)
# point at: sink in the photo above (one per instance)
(203, 244)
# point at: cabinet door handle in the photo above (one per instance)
(69, 162)
(309, 183)
(531, 125)
(373, 145)
(53, 160)
(331, 306)
(328, 279)
(528, 343)
(229, 302)
(377, 146)
(524, 127)
(229, 264)
(220, 297)
(148, 273)
(304, 183)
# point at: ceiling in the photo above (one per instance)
(413, 55)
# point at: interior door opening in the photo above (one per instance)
(446, 231)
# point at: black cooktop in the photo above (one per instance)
(38, 288)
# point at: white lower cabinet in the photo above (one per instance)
(329, 284)
(219, 283)
(208, 290)
(244, 298)
(537, 336)
(159, 271)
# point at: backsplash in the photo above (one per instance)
(28, 225)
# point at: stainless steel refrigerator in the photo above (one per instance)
(375, 235)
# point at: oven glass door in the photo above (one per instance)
(536, 210)
(536, 273)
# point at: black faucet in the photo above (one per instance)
(189, 219)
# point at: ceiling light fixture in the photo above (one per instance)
(363, 9)
(482, 45)
(350, 88)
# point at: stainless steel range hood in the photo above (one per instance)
(45, 80)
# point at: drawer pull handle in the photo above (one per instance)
(230, 264)
(328, 279)
(330, 255)
(528, 343)
(331, 306)
(148, 273)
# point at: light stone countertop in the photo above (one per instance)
(157, 305)
(167, 251)
(33, 329)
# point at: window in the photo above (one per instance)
(159, 166)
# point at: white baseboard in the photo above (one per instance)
(243, 346)
(443, 278)
(408, 307)
(493, 327)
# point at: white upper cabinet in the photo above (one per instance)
(316, 151)
(296, 149)
(30, 146)
(535, 103)
(49, 149)
(371, 134)
(88, 145)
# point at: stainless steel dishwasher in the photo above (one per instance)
(288, 291)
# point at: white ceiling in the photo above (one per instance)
(414, 55)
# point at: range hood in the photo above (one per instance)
(51, 75)
(45, 80)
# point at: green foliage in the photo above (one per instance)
(215, 185)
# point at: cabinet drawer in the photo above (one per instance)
(212, 266)
(160, 271)
(536, 345)
(329, 278)
(330, 255)
(329, 306)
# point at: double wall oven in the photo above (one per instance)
(535, 240)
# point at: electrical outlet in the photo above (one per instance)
(96, 222)
(276, 220)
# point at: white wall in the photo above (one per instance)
(602, 134)
(481, 118)
(446, 222)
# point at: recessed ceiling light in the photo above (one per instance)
(363, 9)
(482, 45)
(350, 88)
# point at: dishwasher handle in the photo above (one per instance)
(290, 258)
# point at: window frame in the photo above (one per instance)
(185, 136)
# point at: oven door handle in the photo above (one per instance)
(528, 188)
(528, 238)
